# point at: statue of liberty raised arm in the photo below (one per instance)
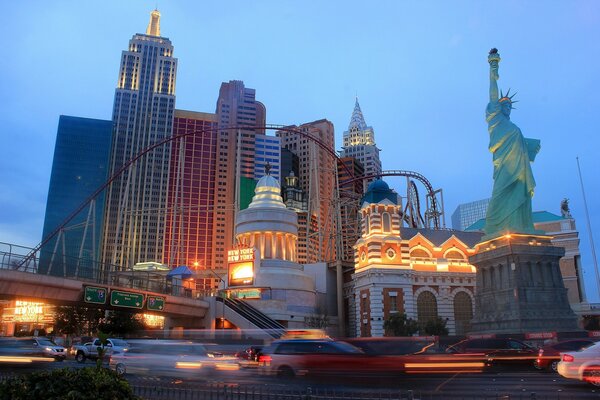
(509, 210)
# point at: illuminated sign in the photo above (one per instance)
(153, 321)
(26, 311)
(240, 255)
(540, 335)
(245, 293)
(241, 267)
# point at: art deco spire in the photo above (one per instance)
(357, 119)
(153, 28)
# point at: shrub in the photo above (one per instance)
(400, 325)
(68, 384)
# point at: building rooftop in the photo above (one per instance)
(438, 237)
(538, 216)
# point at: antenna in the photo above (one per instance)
(589, 227)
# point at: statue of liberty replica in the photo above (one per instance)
(519, 284)
(510, 207)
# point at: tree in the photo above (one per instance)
(400, 325)
(591, 323)
(77, 320)
(122, 323)
(316, 321)
(436, 327)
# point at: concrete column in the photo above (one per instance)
(262, 245)
(556, 275)
(295, 249)
(273, 244)
(376, 300)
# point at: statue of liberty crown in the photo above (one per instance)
(508, 98)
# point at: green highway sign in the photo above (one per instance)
(95, 295)
(155, 303)
(119, 298)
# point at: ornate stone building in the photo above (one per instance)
(420, 272)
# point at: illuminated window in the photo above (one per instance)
(387, 222)
(420, 253)
(390, 253)
(393, 303)
(463, 312)
(454, 255)
(426, 308)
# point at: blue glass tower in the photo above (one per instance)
(79, 167)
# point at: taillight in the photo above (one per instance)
(568, 358)
(541, 352)
(264, 359)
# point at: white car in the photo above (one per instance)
(169, 357)
(583, 365)
(50, 349)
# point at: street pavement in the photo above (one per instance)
(505, 384)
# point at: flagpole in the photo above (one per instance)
(589, 227)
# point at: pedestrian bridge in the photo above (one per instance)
(64, 291)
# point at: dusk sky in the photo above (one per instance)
(419, 69)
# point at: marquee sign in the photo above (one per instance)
(241, 267)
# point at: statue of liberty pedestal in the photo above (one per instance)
(519, 284)
(509, 210)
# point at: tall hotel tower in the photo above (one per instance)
(359, 143)
(143, 114)
(317, 179)
(236, 107)
(190, 220)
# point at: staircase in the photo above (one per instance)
(256, 317)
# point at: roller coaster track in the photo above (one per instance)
(148, 149)
(285, 128)
(433, 211)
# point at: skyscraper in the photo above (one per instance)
(236, 107)
(190, 216)
(467, 214)
(79, 167)
(317, 168)
(268, 151)
(359, 142)
(142, 115)
(350, 195)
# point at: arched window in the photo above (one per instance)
(426, 308)
(387, 222)
(419, 253)
(366, 224)
(463, 313)
(454, 255)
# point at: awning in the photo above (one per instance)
(182, 272)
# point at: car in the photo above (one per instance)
(90, 349)
(50, 349)
(583, 365)
(549, 355)
(497, 351)
(308, 357)
(406, 355)
(248, 358)
(169, 358)
(24, 351)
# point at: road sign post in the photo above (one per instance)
(94, 295)
(155, 303)
(119, 298)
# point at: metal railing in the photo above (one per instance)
(86, 270)
(257, 317)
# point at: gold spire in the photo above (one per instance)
(154, 24)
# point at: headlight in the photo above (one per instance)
(48, 349)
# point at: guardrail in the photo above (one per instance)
(87, 270)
